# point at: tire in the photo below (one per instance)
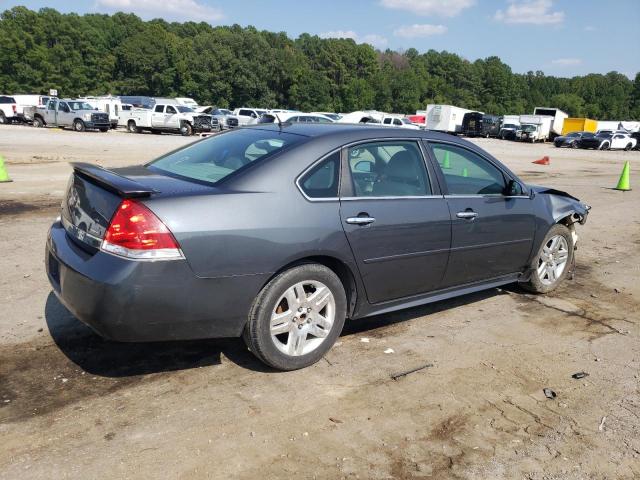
(3, 119)
(627, 147)
(78, 125)
(38, 122)
(541, 280)
(274, 349)
(186, 129)
(574, 144)
(156, 132)
(104, 130)
(132, 127)
(604, 146)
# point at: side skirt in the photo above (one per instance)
(436, 296)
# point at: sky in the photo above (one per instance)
(559, 37)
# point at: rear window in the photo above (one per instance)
(217, 157)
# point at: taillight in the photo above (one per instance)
(136, 232)
(15, 109)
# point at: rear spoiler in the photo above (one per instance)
(122, 186)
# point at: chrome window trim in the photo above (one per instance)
(487, 195)
(311, 167)
(401, 197)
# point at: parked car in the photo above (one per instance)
(636, 136)
(399, 122)
(70, 112)
(8, 109)
(608, 140)
(572, 139)
(477, 124)
(279, 233)
(295, 117)
(27, 104)
(248, 116)
(333, 116)
(362, 116)
(166, 118)
(222, 118)
(510, 128)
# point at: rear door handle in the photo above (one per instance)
(360, 220)
(468, 215)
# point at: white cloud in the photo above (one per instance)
(165, 9)
(535, 12)
(443, 8)
(377, 41)
(419, 30)
(567, 62)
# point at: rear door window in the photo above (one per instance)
(388, 169)
(467, 173)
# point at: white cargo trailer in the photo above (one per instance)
(558, 119)
(444, 118)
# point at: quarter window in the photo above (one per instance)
(388, 169)
(322, 181)
(467, 173)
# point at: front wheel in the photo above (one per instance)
(3, 119)
(628, 147)
(132, 127)
(574, 144)
(38, 122)
(103, 129)
(553, 261)
(186, 129)
(297, 317)
(78, 126)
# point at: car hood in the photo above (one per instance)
(561, 204)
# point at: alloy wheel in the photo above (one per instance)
(302, 318)
(553, 260)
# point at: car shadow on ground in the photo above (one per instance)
(106, 358)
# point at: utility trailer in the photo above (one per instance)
(444, 118)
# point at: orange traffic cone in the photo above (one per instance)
(543, 161)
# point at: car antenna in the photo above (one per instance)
(279, 121)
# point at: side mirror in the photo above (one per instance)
(513, 188)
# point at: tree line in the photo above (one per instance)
(95, 54)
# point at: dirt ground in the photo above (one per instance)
(75, 406)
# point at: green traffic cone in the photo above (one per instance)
(623, 183)
(4, 176)
(446, 162)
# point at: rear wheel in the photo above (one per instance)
(78, 125)
(574, 144)
(628, 147)
(553, 261)
(132, 127)
(3, 119)
(604, 146)
(297, 317)
(104, 129)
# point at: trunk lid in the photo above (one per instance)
(93, 194)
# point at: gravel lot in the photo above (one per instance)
(75, 406)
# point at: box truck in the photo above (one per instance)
(579, 125)
(535, 128)
(558, 119)
(444, 118)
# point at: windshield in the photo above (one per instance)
(223, 111)
(217, 157)
(604, 135)
(183, 109)
(528, 128)
(80, 106)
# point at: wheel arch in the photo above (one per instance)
(337, 266)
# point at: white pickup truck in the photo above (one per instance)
(165, 118)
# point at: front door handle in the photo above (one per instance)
(360, 220)
(468, 215)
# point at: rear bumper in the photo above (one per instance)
(137, 301)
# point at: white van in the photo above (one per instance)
(108, 104)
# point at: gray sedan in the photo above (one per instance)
(280, 233)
